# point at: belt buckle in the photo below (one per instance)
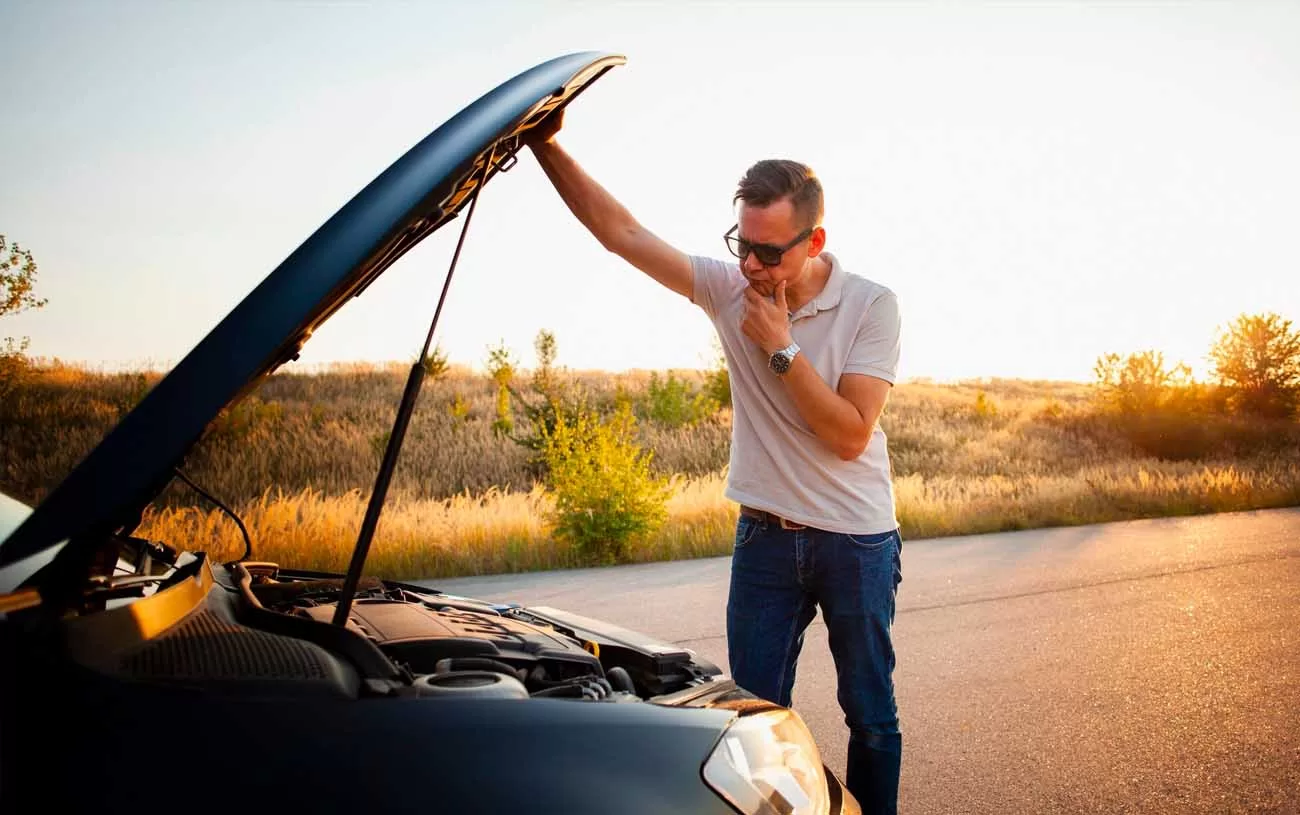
(789, 526)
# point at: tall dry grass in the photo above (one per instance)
(322, 432)
(495, 532)
(505, 532)
(298, 459)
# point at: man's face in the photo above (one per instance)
(775, 225)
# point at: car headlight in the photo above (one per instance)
(768, 764)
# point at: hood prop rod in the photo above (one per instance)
(398, 434)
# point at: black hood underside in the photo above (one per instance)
(419, 193)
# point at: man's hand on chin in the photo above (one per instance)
(765, 322)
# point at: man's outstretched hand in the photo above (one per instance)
(545, 130)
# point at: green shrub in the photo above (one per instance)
(717, 380)
(501, 367)
(605, 494)
(544, 381)
(671, 401)
(459, 408)
(541, 415)
(436, 364)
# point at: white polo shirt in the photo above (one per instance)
(777, 462)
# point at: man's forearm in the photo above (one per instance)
(590, 203)
(834, 419)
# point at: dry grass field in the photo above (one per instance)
(297, 461)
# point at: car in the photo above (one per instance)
(143, 675)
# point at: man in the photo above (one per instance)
(812, 352)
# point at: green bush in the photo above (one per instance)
(541, 415)
(458, 408)
(671, 401)
(717, 380)
(501, 367)
(605, 494)
(436, 364)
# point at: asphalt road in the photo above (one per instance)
(1139, 667)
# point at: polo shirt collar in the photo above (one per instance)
(829, 296)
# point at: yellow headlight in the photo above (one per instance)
(768, 764)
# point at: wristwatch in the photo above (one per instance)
(780, 361)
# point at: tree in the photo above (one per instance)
(1258, 356)
(501, 367)
(551, 399)
(1140, 382)
(17, 280)
(544, 377)
(435, 364)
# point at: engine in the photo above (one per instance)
(454, 647)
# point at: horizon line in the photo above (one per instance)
(105, 367)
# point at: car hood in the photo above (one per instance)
(423, 190)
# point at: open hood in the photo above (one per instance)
(423, 190)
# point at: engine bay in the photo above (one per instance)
(452, 646)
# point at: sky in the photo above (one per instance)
(1040, 183)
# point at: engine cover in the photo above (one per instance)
(420, 636)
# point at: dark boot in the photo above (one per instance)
(872, 777)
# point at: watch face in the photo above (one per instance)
(779, 362)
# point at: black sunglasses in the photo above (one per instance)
(767, 254)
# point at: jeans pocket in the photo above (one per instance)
(746, 529)
(873, 541)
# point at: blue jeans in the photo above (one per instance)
(778, 578)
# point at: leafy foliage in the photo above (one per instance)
(605, 494)
(17, 281)
(672, 402)
(459, 408)
(1139, 382)
(501, 367)
(435, 364)
(717, 380)
(544, 380)
(1258, 357)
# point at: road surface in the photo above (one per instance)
(1140, 667)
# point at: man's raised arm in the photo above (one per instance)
(606, 218)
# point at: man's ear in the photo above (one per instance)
(817, 242)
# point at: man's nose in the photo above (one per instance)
(751, 264)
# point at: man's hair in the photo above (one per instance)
(770, 180)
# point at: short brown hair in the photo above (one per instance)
(770, 180)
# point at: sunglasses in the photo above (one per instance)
(768, 254)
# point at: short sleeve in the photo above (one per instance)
(876, 347)
(711, 277)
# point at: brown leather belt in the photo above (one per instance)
(764, 515)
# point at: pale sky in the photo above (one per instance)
(1040, 183)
